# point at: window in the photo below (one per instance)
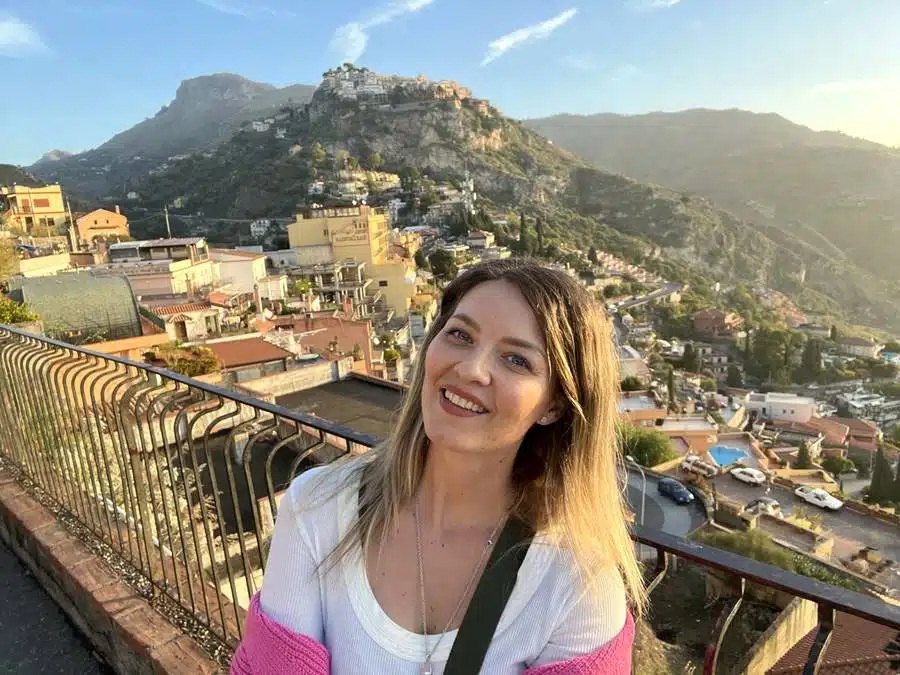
(382, 284)
(95, 221)
(325, 232)
(42, 203)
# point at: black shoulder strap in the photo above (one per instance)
(489, 600)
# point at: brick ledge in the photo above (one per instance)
(121, 625)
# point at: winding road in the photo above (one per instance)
(662, 513)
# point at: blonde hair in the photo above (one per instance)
(567, 473)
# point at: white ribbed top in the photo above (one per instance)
(547, 619)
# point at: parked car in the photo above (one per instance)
(819, 497)
(675, 491)
(750, 476)
(765, 505)
(694, 464)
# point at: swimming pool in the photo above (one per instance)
(723, 455)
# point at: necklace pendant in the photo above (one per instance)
(426, 669)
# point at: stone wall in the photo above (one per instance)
(797, 619)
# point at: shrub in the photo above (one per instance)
(648, 447)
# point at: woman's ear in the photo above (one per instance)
(551, 416)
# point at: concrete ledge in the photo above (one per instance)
(122, 626)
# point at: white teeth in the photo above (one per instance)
(462, 402)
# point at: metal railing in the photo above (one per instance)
(179, 479)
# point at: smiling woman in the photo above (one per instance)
(488, 533)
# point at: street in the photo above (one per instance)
(662, 513)
(844, 524)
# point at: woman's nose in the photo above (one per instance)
(475, 367)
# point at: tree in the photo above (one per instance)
(592, 255)
(459, 224)
(804, 461)
(648, 447)
(708, 384)
(352, 163)
(319, 154)
(409, 178)
(734, 377)
(376, 161)
(610, 290)
(632, 383)
(421, 260)
(391, 356)
(539, 231)
(670, 385)
(833, 333)
(443, 264)
(524, 239)
(8, 260)
(843, 410)
(811, 361)
(689, 361)
(301, 288)
(881, 488)
(12, 312)
(895, 492)
(837, 465)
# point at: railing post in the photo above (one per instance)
(146, 526)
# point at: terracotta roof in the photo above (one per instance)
(855, 642)
(857, 426)
(796, 427)
(835, 430)
(168, 310)
(235, 353)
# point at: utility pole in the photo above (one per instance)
(74, 238)
(168, 226)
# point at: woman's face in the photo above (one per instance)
(487, 379)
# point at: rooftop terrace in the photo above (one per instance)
(175, 481)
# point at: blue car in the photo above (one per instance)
(675, 491)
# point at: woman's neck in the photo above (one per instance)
(462, 492)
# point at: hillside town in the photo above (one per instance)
(745, 422)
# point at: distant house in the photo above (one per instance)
(101, 223)
(250, 358)
(777, 406)
(190, 321)
(480, 239)
(259, 228)
(865, 347)
(712, 322)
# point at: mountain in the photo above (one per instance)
(53, 156)
(441, 130)
(14, 175)
(838, 194)
(206, 111)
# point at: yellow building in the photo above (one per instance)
(101, 223)
(360, 233)
(31, 206)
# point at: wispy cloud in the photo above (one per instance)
(517, 38)
(18, 39)
(847, 86)
(225, 7)
(650, 5)
(349, 41)
(625, 72)
(244, 8)
(582, 62)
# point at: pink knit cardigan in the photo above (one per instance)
(269, 648)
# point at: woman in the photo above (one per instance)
(507, 431)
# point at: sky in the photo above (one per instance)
(79, 71)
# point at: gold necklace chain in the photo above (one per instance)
(426, 667)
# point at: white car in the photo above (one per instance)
(819, 497)
(694, 464)
(748, 475)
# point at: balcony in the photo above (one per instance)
(177, 481)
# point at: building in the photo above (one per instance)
(80, 308)
(41, 265)
(712, 322)
(324, 236)
(28, 207)
(249, 357)
(260, 228)
(101, 223)
(162, 267)
(815, 330)
(421, 315)
(272, 289)
(327, 332)
(189, 321)
(864, 347)
(862, 434)
(776, 406)
(241, 270)
(480, 239)
(632, 365)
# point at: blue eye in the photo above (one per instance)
(519, 361)
(460, 335)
